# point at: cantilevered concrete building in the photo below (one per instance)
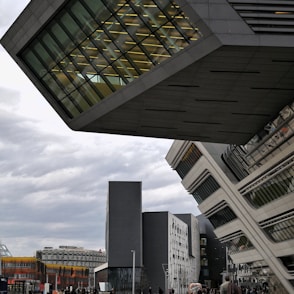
(205, 70)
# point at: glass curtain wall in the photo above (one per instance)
(92, 48)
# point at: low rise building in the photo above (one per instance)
(169, 260)
(31, 274)
(73, 256)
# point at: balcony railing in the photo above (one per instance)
(273, 139)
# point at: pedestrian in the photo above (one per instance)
(227, 287)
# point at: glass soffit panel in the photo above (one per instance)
(93, 48)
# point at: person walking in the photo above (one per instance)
(226, 286)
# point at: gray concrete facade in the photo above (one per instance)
(124, 224)
(221, 88)
(155, 247)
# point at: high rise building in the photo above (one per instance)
(246, 192)
(164, 248)
(212, 71)
(123, 237)
(124, 222)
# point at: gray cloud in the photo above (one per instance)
(9, 97)
(54, 185)
(9, 11)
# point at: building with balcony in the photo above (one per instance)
(209, 71)
(246, 192)
(73, 256)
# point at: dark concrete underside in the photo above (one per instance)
(226, 97)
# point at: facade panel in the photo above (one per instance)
(124, 222)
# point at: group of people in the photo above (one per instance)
(227, 287)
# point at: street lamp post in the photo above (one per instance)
(166, 281)
(165, 271)
(56, 282)
(134, 263)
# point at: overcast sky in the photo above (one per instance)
(54, 181)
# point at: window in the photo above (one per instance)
(203, 251)
(222, 217)
(272, 188)
(189, 159)
(288, 262)
(281, 230)
(205, 189)
(203, 241)
(238, 244)
(93, 48)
